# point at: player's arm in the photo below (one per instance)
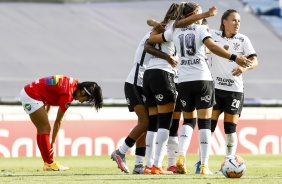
(57, 124)
(214, 48)
(152, 22)
(240, 70)
(195, 17)
(149, 48)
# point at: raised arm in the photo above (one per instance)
(214, 48)
(195, 17)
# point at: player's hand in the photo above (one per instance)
(238, 71)
(159, 28)
(243, 61)
(212, 11)
(172, 60)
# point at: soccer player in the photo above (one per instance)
(227, 75)
(194, 75)
(135, 100)
(57, 90)
(160, 92)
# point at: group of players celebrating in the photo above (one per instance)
(172, 76)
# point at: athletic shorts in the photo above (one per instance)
(196, 95)
(134, 95)
(229, 101)
(158, 87)
(29, 104)
(178, 106)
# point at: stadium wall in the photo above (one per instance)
(85, 132)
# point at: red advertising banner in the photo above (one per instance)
(102, 137)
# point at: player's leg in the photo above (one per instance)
(165, 120)
(172, 144)
(165, 96)
(39, 118)
(140, 155)
(205, 100)
(151, 138)
(185, 135)
(135, 103)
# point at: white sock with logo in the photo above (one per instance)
(172, 150)
(185, 136)
(150, 148)
(161, 146)
(205, 144)
(231, 143)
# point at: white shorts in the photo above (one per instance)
(29, 104)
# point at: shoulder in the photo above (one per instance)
(241, 37)
(216, 32)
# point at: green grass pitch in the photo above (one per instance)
(261, 169)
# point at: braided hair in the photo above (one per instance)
(94, 91)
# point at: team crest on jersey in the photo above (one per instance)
(236, 46)
(27, 107)
(68, 105)
(159, 97)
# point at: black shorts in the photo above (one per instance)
(229, 101)
(158, 87)
(134, 96)
(196, 95)
(178, 106)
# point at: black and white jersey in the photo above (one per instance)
(238, 44)
(167, 47)
(191, 52)
(141, 60)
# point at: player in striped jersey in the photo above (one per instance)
(58, 90)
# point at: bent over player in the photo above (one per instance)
(57, 90)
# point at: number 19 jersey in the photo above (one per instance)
(191, 52)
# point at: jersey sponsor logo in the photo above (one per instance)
(188, 28)
(206, 98)
(159, 97)
(183, 102)
(68, 105)
(236, 46)
(190, 62)
(27, 107)
(224, 82)
(127, 101)
(239, 38)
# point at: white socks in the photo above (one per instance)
(231, 143)
(161, 146)
(172, 150)
(205, 145)
(185, 136)
(150, 148)
(123, 148)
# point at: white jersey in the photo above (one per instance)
(167, 47)
(141, 60)
(192, 64)
(222, 68)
